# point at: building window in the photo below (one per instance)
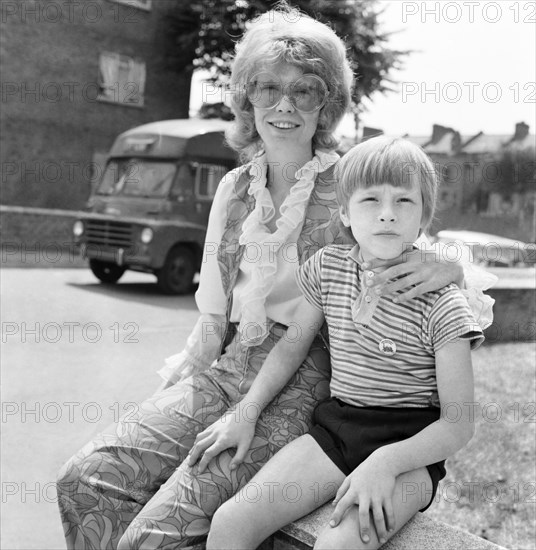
(447, 198)
(141, 4)
(121, 79)
(453, 173)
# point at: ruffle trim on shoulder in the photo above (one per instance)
(253, 326)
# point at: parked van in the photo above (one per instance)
(150, 210)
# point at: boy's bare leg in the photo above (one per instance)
(297, 480)
(412, 493)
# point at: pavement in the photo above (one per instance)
(75, 355)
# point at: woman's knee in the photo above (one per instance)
(93, 474)
(71, 474)
(67, 474)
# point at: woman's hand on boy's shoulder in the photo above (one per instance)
(419, 273)
(370, 486)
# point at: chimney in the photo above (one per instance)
(456, 142)
(369, 132)
(439, 131)
(522, 131)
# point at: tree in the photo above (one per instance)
(516, 172)
(202, 34)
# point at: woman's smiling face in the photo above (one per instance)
(283, 126)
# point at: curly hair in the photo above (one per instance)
(289, 36)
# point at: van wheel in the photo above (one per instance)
(177, 274)
(106, 272)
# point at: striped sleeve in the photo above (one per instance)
(451, 319)
(309, 279)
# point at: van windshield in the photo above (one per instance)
(137, 177)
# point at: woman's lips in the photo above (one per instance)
(284, 125)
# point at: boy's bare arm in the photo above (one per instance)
(372, 483)
(285, 358)
(237, 427)
(455, 427)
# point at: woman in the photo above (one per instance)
(132, 487)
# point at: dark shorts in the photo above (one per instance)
(348, 434)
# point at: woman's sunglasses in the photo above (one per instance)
(307, 94)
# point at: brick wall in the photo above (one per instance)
(52, 126)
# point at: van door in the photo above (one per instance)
(207, 178)
(182, 194)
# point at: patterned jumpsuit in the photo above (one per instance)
(131, 487)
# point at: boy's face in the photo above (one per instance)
(384, 219)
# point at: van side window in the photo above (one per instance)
(183, 186)
(207, 178)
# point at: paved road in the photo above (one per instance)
(75, 354)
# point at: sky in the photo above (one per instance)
(472, 68)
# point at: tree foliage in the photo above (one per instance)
(516, 171)
(202, 34)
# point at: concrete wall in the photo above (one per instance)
(35, 237)
(514, 314)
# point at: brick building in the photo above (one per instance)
(74, 75)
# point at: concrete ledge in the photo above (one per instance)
(41, 226)
(421, 533)
(514, 310)
(29, 210)
(38, 237)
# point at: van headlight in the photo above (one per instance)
(146, 235)
(78, 228)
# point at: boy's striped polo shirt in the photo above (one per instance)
(382, 352)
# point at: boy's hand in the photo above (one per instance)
(233, 429)
(370, 486)
(420, 272)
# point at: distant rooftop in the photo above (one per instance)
(448, 141)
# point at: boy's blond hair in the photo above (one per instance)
(396, 161)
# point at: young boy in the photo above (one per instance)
(380, 441)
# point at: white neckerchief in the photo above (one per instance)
(253, 323)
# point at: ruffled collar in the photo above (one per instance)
(255, 233)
